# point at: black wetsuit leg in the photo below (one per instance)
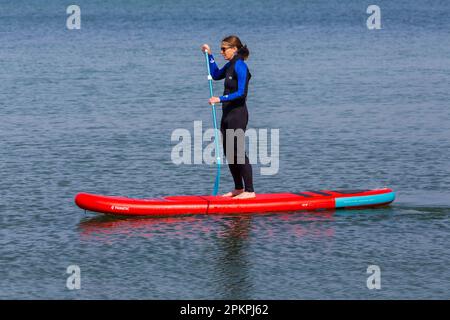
(237, 118)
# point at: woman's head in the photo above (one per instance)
(231, 46)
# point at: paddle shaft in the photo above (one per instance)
(216, 131)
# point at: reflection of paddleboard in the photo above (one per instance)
(306, 200)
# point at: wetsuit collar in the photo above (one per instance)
(236, 57)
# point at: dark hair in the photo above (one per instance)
(234, 41)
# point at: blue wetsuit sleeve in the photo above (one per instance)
(241, 70)
(216, 73)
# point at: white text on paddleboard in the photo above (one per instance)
(119, 208)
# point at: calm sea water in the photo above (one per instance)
(93, 110)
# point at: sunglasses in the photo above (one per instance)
(223, 49)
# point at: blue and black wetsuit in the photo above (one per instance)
(235, 115)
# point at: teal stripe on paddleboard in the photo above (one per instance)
(364, 200)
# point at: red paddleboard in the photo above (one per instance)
(270, 202)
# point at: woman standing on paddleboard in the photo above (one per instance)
(235, 113)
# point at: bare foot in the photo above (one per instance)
(233, 193)
(245, 195)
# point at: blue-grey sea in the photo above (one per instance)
(93, 110)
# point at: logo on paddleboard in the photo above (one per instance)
(119, 208)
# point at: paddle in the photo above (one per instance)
(216, 132)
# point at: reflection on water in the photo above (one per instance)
(229, 263)
(232, 265)
(233, 227)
